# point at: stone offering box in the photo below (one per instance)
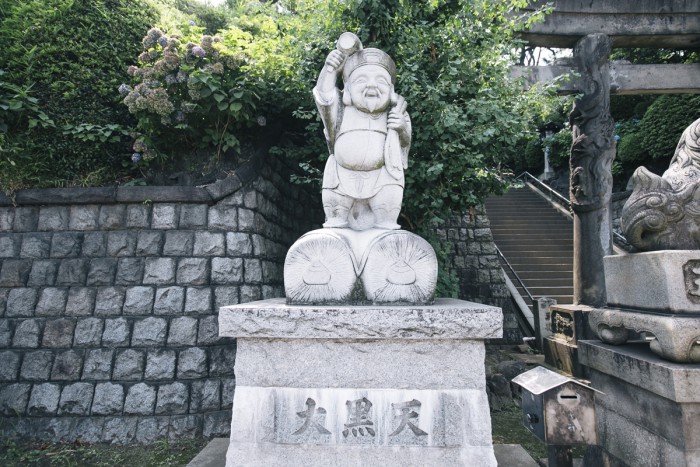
(360, 385)
(654, 295)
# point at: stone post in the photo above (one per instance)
(592, 153)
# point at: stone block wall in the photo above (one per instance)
(109, 307)
(474, 259)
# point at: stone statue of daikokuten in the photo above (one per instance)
(368, 132)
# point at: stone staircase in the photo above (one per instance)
(537, 240)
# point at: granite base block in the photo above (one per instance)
(356, 385)
(648, 413)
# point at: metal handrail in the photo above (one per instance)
(617, 238)
(550, 190)
(524, 320)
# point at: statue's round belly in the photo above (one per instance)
(360, 150)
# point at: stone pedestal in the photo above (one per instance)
(649, 411)
(654, 295)
(360, 385)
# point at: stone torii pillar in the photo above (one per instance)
(592, 154)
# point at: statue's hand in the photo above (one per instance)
(396, 119)
(335, 60)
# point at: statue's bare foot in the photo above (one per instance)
(335, 224)
(387, 225)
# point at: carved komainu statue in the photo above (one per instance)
(663, 213)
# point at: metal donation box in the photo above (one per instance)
(556, 409)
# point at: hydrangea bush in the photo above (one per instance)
(189, 91)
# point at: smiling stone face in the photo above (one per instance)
(370, 88)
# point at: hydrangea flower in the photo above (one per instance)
(124, 89)
(131, 71)
(163, 41)
(151, 38)
(197, 51)
(191, 23)
(135, 157)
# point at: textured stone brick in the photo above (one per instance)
(129, 271)
(140, 400)
(205, 396)
(183, 331)
(58, 333)
(193, 216)
(88, 429)
(192, 363)
(34, 245)
(209, 244)
(238, 244)
(88, 332)
(83, 217)
(169, 300)
(4, 292)
(228, 387)
(151, 429)
(26, 334)
(109, 301)
(253, 271)
(165, 216)
(223, 217)
(53, 218)
(94, 244)
(67, 366)
(138, 301)
(101, 271)
(52, 301)
(98, 364)
(160, 364)
(225, 295)
(20, 302)
(172, 399)
(208, 332)
(5, 334)
(36, 366)
(272, 272)
(9, 366)
(8, 245)
(121, 243)
(72, 272)
(138, 216)
(76, 399)
(159, 271)
(26, 219)
(246, 220)
(193, 271)
(112, 217)
(66, 244)
(226, 270)
(7, 217)
(198, 300)
(250, 199)
(116, 333)
(221, 360)
(149, 332)
(250, 293)
(184, 426)
(44, 399)
(129, 365)
(216, 424)
(108, 399)
(43, 272)
(14, 398)
(149, 243)
(81, 301)
(119, 430)
(178, 243)
(15, 272)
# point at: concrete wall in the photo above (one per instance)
(108, 312)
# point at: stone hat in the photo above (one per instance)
(369, 57)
